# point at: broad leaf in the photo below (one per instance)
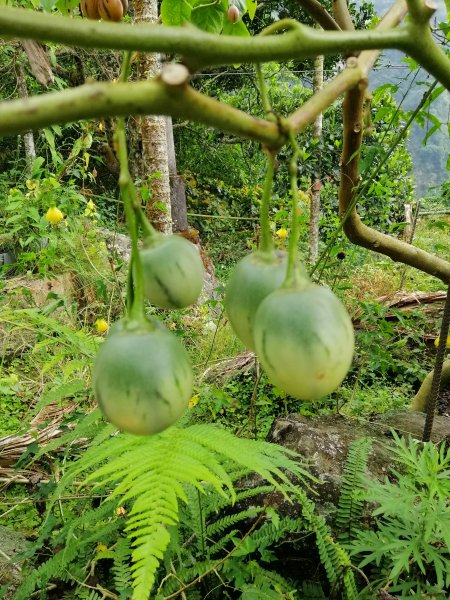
(251, 7)
(238, 28)
(175, 12)
(207, 16)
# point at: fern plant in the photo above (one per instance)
(148, 477)
(353, 486)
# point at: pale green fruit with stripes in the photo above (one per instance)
(253, 278)
(173, 271)
(304, 339)
(142, 378)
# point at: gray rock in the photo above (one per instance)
(11, 543)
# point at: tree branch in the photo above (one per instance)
(356, 231)
(342, 15)
(357, 70)
(199, 48)
(97, 100)
(315, 9)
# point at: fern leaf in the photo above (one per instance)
(351, 498)
(151, 474)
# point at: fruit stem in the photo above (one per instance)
(266, 244)
(149, 232)
(126, 66)
(293, 273)
(263, 91)
(135, 292)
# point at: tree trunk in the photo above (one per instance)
(315, 193)
(28, 138)
(177, 191)
(149, 160)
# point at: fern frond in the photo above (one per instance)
(229, 520)
(58, 393)
(351, 500)
(121, 568)
(151, 473)
(333, 557)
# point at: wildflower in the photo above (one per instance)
(101, 325)
(193, 401)
(282, 233)
(120, 511)
(101, 548)
(53, 215)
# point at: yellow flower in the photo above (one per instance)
(282, 233)
(120, 511)
(303, 197)
(193, 401)
(101, 548)
(436, 341)
(54, 215)
(101, 325)
(100, 126)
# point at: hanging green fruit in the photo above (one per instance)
(173, 271)
(253, 278)
(304, 340)
(142, 377)
(256, 275)
(303, 334)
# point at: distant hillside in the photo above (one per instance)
(430, 160)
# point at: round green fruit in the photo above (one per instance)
(173, 271)
(304, 340)
(142, 378)
(253, 278)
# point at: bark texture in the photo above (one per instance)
(177, 191)
(28, 137)
(149, 161)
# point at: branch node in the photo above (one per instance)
(174, 74)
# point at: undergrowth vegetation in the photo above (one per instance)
(207, 507)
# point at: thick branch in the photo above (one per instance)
(419, 402)
(356, 72)
(421, 11)
(422, 47)
(98, 100)
(318, 103)
(342, 15)
(356, 231)
(200, 48)
(315, 9)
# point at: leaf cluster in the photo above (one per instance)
(410, 544)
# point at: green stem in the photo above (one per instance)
(202, 48)
(126, 66)
(147, 228)
(135, 283)
(263, 91)
(266, 244)
(136, 311)
(101, 99)
(292, 268)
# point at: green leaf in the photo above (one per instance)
(175, 12)
(239, 28)
(207, 16)
(251, 7)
